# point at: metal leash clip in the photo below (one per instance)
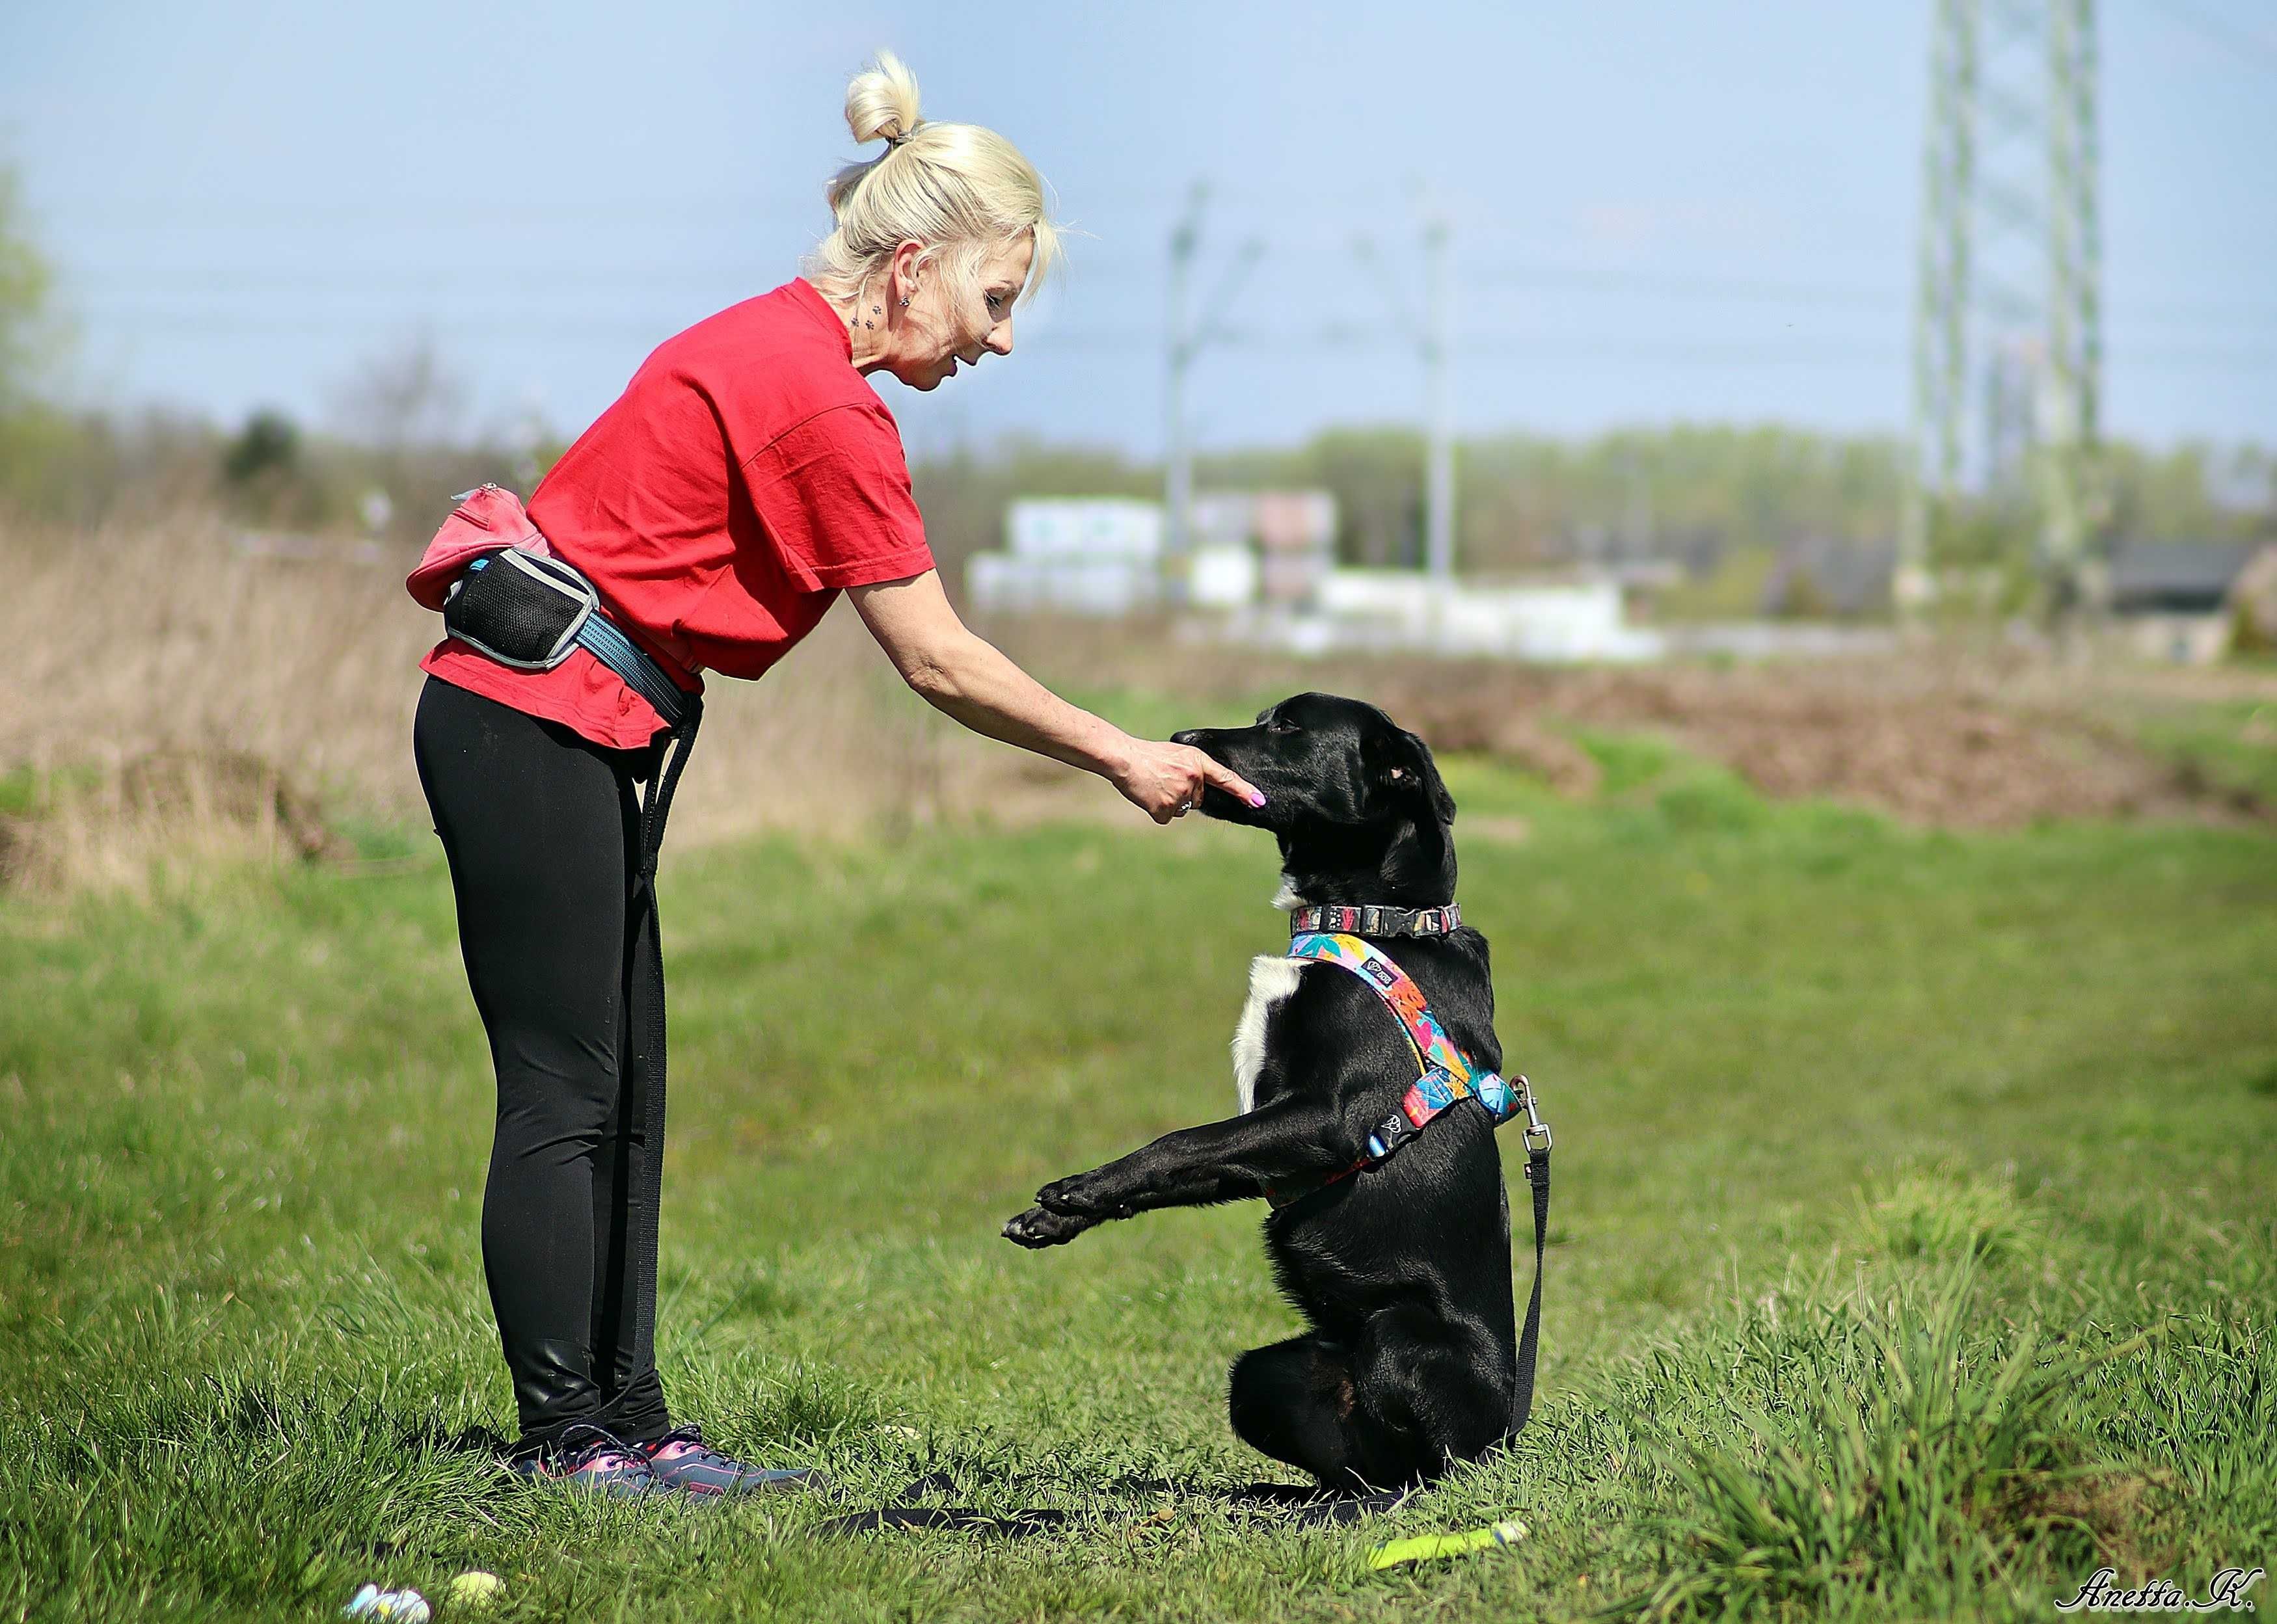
(1534, 1122)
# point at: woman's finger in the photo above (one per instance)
(1227, 779)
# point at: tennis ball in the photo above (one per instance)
(475, 1589)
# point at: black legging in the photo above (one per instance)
(542, 831)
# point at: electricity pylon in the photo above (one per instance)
(2009, 279)
(1187, 339)
(1434, 338)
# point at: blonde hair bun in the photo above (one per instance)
(959, 189)
(881, 103)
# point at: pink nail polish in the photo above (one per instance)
(1256, 799)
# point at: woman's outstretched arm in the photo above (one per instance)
(968, 678)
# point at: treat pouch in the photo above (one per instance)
(486, 519)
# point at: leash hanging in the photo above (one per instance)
(1304, 1507)
(656, 805)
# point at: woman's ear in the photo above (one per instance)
(902, 284)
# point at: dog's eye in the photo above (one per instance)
(1280, 724)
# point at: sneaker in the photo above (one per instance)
(589, 1460)
(682, 1459)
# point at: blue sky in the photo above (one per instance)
(1662, 210)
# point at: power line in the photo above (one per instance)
(1298, 343)
(2252, 47)
(635, 281)
(172, 212)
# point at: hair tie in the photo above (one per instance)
(893, 141)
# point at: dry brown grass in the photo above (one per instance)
(171, 695)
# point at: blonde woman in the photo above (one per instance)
(746, 478)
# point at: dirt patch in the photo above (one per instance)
(1943, 736)
(1950, 749)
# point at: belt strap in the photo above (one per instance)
(641, 674)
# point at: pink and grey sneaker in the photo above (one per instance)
(589, 1460)
(682, 1459)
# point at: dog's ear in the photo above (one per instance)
(1400, 769)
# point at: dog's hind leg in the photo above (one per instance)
(1295, 1402)
(1434, 1394)
(1399, 1408)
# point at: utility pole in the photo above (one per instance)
(1434, 339)
(2071, 384)
(1940, 297)
(1438, 358)
(2010, 271)
(1187, 341)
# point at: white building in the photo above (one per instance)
(1388, 610)
(1084, 556)
(1262, 567)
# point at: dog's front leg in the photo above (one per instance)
(1232, 1160)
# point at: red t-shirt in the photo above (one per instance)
(746, 474)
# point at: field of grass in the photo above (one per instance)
(1911, 1255)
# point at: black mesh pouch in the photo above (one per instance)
(520, 610)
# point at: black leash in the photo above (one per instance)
(1300, 1506)
(656, 805)
(1537, 1178)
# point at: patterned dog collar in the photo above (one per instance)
(1376, 921)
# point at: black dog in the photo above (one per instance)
(1402, 1270)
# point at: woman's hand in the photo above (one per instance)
(962, 675)
(1167, 780)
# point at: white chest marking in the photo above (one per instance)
(1270, 981)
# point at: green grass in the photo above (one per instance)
(1910, 1255)
(2227, 746)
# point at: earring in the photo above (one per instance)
(876, 309)
(905, 301)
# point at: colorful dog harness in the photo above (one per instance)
(1446, 1073)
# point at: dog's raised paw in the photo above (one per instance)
(1037, 1228)
(1081, 1194)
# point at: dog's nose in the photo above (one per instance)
(1191, 735)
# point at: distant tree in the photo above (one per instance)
(402, 414)
(268, 446)
(25, 281)
(406, 399)
(2192, 491)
